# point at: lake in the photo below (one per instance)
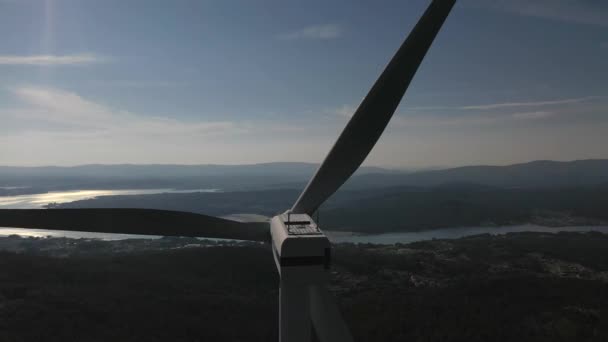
(34, 201)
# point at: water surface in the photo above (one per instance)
(27, 232)
(33, 201)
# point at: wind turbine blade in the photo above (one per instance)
(134, 221)
(326, 317)
(367, 124)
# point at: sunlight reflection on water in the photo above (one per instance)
(34, 201)
(26, 232)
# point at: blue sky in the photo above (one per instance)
(259, 81)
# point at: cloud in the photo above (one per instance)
(588, 12)
(532, 115)
(344, 111)
(421, 116)
(504, 105)
(466, 120)
(404, 119)
(136, 84)
(553, 111)
(70, 111)
(50, 60)
(557, 110)
(315, 32)
(74, 111)
(529, 104)
(61, 127)
(55, 126)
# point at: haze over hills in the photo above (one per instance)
(534, 174)
(541, 192)
(540, 173)
(374, 200)
(129, 176)
(169, 170)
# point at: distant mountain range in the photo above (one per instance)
(536, 174)
(375, 200)
(541, 173)
(131, 176)
(170, 170)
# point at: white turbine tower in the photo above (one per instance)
(301, 250)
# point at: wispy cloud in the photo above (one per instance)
(315, 32)
(68, 115)
(136, 84)
(532, 115)
(421, 120)
(529, 104)
(71, 111)
(344, 111)
(424, 116)
(505, 105)
(50, 60)
(57, 126)
(501, 112)
(589, 12)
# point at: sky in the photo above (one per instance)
(241, 81)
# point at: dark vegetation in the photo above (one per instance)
(518, 287)
(410, 210)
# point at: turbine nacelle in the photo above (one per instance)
(302, 254)
(300, 248)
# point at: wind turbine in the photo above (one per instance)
(301, 250)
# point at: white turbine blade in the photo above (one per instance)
(367, 124)
(134, 221)
(326, 317)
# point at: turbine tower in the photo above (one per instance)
(302, 252)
